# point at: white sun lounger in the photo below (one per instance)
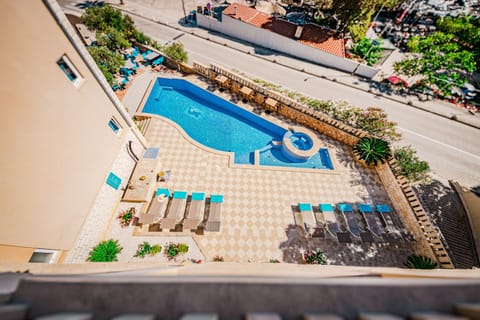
(176, 211)
(215, 213)
(331, 222)
(308, 218)
(196, 211)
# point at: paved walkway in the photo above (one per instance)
(170, 14)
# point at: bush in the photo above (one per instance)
(372, 150)
(410, 165)
(315, 257)
(126, 217)
(420, 262)
(368, 51)
(105, 251)
(176, 52)
(174, 249)
(102, 18)
(273, 260)
(146, 248)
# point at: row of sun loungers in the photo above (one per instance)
(327, 219)
(168, 210)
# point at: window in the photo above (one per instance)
(43, 256)
(114, 125)
(70, 71)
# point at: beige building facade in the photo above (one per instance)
(62, 133)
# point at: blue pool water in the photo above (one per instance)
(301, 141)
(215, 122)
(274, 157)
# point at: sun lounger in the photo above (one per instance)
(215, 213)
(349, 215)
(386, 214)
(331, 222)
(157, 208)
(372, 222)
(195, 212)
(308, 218)
(176, 211)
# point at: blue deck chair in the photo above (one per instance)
(372, 222)
(330, 220)
(349, 216)
(308, 218)
(386, 214)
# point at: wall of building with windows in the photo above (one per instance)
(60, 132)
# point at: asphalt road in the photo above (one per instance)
(452, 149)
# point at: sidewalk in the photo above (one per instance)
(173, 18)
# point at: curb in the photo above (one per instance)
(409, 103)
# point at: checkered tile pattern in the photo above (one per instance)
(257, 209)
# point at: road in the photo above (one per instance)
(452, 149)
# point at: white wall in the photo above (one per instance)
(271, 40)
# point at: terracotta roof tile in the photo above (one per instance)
(323, 39)
(247, 14)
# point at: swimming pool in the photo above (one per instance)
(215, 122)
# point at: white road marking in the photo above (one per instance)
(441, 143)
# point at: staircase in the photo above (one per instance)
(143, 125)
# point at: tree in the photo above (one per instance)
(105, 251)
(440, 59)
(410, 165)
(109, 62)
(368, 50)
(372, 150)
(112, 39)
(176, 52)
(104, 18)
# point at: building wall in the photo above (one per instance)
(10, 254)
(57, 147)
(271, 40)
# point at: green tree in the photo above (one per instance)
(420, 262)
(440, 59)
(368, 51)
(372, 150)
(113, 39)
(176, 51)
(411, 166)
(104, 18)
(105, 251)
(109, 62)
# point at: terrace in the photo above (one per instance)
(258, 215)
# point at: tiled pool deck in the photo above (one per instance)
(257, 215)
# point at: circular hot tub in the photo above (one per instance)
(299, 144)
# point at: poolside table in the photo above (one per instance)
(221, 79)
(151, 56)
(143, 181)
(246, 92)
(271, 104)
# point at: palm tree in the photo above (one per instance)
(420, 262)
(105, 251)
(372, 150)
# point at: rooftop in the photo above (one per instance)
(247, 14)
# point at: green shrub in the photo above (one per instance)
(368, 51)
(105, 251)
(410, 165)
(176, 52)
(273, 260)
(315, 257)
(182, 248)
(146, 248)
(420, 262)
(375, 122)
(372, 150)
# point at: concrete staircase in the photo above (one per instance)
(143, 125)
